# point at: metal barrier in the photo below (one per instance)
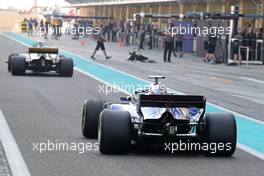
(253, 56)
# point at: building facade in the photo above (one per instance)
(124, 9)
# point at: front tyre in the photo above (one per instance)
(221, 131)
(114, 130)
(90, 115)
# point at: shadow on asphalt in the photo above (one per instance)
(50, 75)
(160, 153)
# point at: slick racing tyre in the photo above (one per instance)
(90, 116)
(221, 133)
(114, 128)
(18, 65)
(66, 67)
(10, 60)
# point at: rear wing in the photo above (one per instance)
(172, 101)
(43, 50)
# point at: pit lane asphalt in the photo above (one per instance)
(41, 108)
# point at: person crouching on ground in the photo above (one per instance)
(100, 44)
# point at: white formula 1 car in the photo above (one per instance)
(154, 115)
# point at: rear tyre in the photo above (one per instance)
(221, 130)
(18, 65)
(9, 62)
(90, 116)
(66, 67)
(114, 132)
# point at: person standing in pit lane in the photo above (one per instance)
(100, 43)
(236, 45)
(30, 27)
(168, 44)
(47, 26)
(141, 39)
(179, 38)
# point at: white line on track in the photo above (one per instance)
(241, 146)
(252, 79)
(251, 151)
(14, 157)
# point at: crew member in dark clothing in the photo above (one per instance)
(253, 44)
(150, 33)
(168, 47)
(259, 45)
(179, 38)
(42, 26)
(47, 26)
(142, 39)
(76, 31)
(236, 45)
(30, 27)
(35, 23)
(100, 44)
(211, 45)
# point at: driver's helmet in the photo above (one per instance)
(157, 89)
(41, 44)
